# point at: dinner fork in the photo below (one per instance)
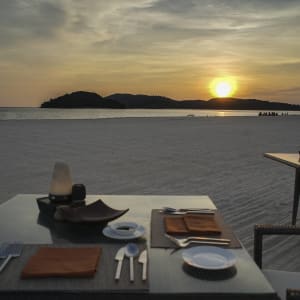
(184, 211)
(182, 243)
(9, 251)
(199, 238)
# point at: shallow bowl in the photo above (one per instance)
(124, 228)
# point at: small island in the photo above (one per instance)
(82, 99)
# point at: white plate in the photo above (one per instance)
(209, 257)
(108, 232)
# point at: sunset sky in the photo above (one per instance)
(174, 48)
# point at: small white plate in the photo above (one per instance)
(209, 257)
(108, 232)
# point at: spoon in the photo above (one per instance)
(131, 250)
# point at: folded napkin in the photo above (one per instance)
(63, 262)
(198, 224)
(205, 224)
(175, 225)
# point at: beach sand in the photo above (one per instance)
(219, 157)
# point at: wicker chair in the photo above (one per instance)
(286, 284)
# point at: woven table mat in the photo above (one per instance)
(102, 282)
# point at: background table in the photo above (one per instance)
(168, 276)
(292, 160)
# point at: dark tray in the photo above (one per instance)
(95, 213)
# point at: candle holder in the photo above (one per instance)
(61, 184)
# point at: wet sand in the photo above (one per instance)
(219, 157)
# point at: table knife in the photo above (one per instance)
(119, 257)
(143, 260)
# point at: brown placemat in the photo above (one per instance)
(102, 282)
(62, 262)
(158, 239)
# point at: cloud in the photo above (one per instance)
(279, 94)
(293, 90)
(229, 14)
(222, 7)
(24, 21)
(121, 26)
(290, 68)
(237, 29)
(159, 40)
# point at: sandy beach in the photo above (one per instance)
(219, 157)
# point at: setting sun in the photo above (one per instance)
(223, 87)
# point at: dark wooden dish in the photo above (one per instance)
(95, 213)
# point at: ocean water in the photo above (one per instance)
(28, 113)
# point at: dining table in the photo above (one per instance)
(292, 160)
(168, 276)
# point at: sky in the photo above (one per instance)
(173, 48)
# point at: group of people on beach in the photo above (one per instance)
(272, 114)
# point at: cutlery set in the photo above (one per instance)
(131, 250)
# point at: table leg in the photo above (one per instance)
(296, 196)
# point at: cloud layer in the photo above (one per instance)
(169, 47)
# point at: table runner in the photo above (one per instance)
(103, 281)
(158, 240)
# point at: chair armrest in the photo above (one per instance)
(267, 229)
(292, 294)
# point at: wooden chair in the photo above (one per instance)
(286, 284)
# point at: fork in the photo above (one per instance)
(173, 209)
(9, 251)
(183, 211)
(198, 238)
(182, 243)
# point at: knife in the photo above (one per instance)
(143, 260)
(119, 257)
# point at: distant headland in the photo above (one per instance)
(83, 99)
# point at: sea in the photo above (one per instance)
(34, 113)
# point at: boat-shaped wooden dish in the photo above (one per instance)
(95, 213)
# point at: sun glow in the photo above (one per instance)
(223, 87)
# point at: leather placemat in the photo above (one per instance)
(63, 262)
(158, 239)
(102, 282)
